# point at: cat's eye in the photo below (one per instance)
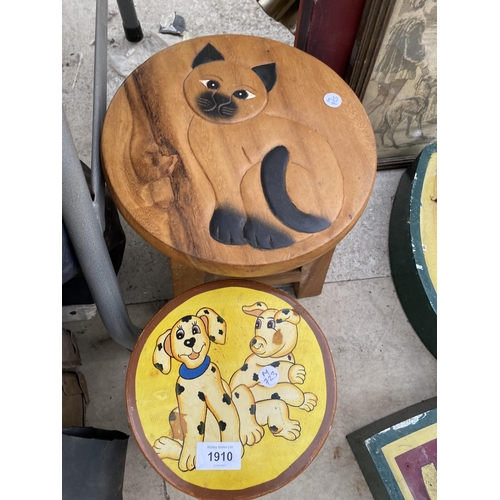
(243, 94)
(210, 84)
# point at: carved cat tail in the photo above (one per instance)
(273, 179)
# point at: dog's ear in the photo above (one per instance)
(163, 353)
(255, 309)
(207, 54)
(267, 73)
(214, 325)
(287, 315)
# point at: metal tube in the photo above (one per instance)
(87, 238)
(99, 109)
(131, 24)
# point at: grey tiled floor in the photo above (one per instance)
(381, 364)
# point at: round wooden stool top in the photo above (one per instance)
(231, 367)
(238, 155)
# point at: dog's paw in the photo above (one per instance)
(251, 435)
(226, 226)
(166, 447)
(310, 401)
(297, 374)
(290, 430)
(261, 235)
(187, 461)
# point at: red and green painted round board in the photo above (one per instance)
(231, 390)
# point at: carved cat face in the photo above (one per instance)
(225, 92)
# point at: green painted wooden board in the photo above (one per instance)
(412, 245)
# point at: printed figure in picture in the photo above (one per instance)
(404, 64)
(412, 109)
(269, 375)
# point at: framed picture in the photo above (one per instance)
(398, 454)
(393, 71)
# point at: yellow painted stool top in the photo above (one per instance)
(237, 364)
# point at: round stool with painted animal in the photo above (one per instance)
(231, 390)
(239, 156)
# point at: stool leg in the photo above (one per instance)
(184, 277)
(312, 276)
(131, 24)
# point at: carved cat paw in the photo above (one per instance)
(226, 226)
(260, 235)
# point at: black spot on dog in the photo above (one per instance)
(201, 396)
(213, 369)
(226, 399)
(179, 389)
(244, 368)
(159, 366)
(160, 347)
(221, 332)
(286, 311)
(219, 320)
(290, 357)
(259, 304)
(279, 320)
(185, 319)
(201, 428)
(255, 377)
(172, 417)
(252, 409)
(275, 364)
(273, 429)
(275, 396)
(212, 338)
(222, 426)
(237, 394)
(206, 311)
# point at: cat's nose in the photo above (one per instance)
(221, 99)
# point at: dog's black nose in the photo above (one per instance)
(253, 341)
(190, 342)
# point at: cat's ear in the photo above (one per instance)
(267, 73)
(208, 54)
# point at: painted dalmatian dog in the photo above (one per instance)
(199, 387)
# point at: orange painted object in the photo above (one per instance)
(231, 390)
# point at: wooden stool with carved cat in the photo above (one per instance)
(226, 154)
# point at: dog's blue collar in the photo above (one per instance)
(191, 373)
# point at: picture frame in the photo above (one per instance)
(398, 454)
(393, 71)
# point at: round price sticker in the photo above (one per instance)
(332, 100)
(269, 376)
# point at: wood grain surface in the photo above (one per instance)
(222, 153)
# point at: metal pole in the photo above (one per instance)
(99, 110)
(88, 241)
(131, 25)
